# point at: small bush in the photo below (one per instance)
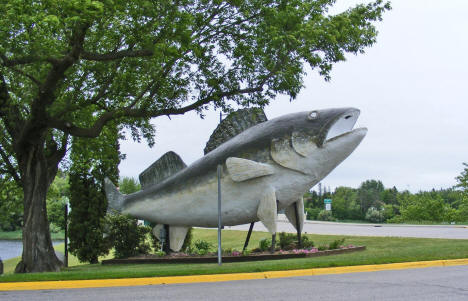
(287, 241)
(397, 219)
(127, 237)
(227, 251)
(202, 247)
(322, 247)
(55, 213)
(160, 253)
(336, 244)
(264, 244)
(375, 216)
(325, 215)
(53, 228)
(312, 213)
(155, 243)
(306, 243)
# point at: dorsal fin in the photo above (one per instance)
(234, 124)
(164, 167)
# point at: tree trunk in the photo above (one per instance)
(38, 252)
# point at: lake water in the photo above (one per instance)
(14, 248)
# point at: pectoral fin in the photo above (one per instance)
(267, 210)
(242, 169)
(290, 212)
(177, 236)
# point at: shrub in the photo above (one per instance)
(422, 207)
(127, 237)
(56, 213)
(375, 216)
(202, 247)
(463, 211)
(306, 243)
(11, 205)
(336, 244)
(53, 228)
(287, 241)
(227, 251)
(264, 244)
(397, 219)
(155, 243)
(325, 215)
(322, 247)
(160, 253)
(312, 213)
(390, 211)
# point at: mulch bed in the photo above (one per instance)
(214, 259)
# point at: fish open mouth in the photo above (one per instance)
(344, 125)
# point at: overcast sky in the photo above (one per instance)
(411, 88)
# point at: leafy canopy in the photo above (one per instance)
(79, 64)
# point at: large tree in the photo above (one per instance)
(67, 68)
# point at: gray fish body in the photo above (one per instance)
(274, 161)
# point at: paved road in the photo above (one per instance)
(316, 227)
(440, 283)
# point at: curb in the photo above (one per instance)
(69, 284)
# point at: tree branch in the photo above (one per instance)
(116, 55)
(36, 124)
(95, 130)
(58, 71)
(10, 167)
(26, 60)
(56, 156)
(9, 113)
(32, 78)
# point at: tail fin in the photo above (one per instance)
(114, 197)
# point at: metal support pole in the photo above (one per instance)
(219, 215)
(273, 243)
(273, 237)
(299, 240)
(66, 237)
(167, 245)
(248, 236)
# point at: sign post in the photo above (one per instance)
(328, 203)
(219, 215)
(66, 236)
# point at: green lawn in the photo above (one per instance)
(379, 250)
(18, 235)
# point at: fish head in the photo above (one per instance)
(318, 141)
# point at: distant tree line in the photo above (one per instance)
(372, 202)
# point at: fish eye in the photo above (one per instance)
(347, 117)
(313, 115)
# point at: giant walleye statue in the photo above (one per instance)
(266, 167)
